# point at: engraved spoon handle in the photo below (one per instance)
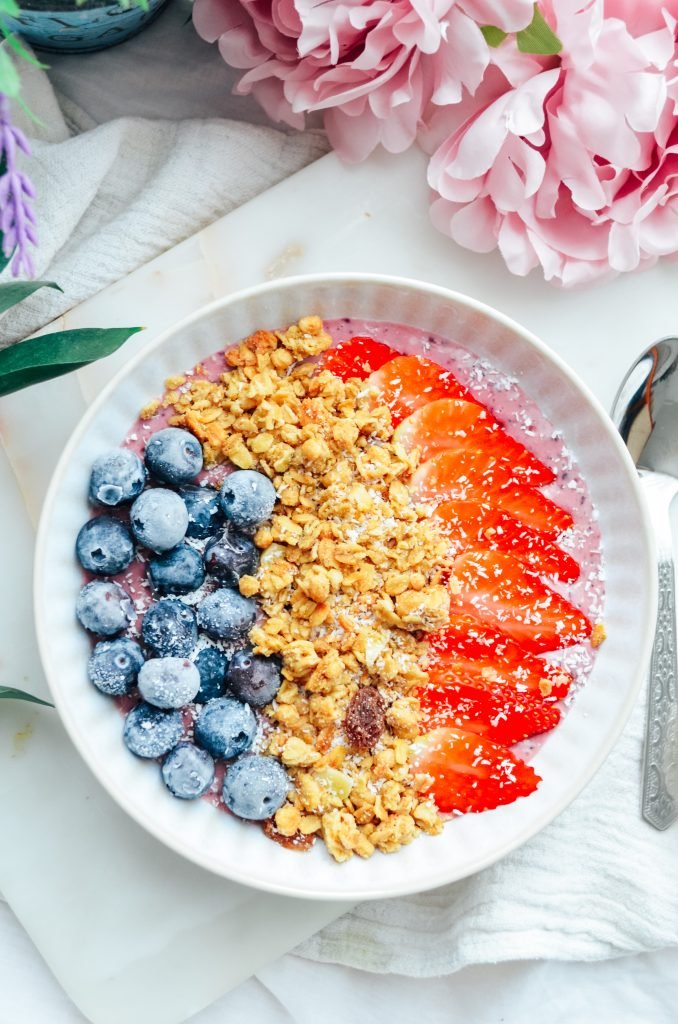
(660, 765)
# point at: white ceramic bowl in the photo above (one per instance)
(572, 752)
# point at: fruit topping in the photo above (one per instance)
(226, 615)
(117, 476)
(150, 732)
(113, 666)
(253, 678)
(159, 519)
(211, 663)
(174, 456)
(169, 629)
(178, 571)
(247, 499)
(365, 721)
(204, 511)
(407, 383)
(225, 727)
(168, 682)
(104, 546)
(502, 714)
(231, 556)
(188, 771)
(255, 787)
(358, 357)
(469, 772)
(104, 608)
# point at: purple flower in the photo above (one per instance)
(17, 220)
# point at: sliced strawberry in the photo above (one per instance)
(470, 772)
(358, 357)
(472, 523)
(408, 382)
(502, 715)
(466, 644)
(450, 423)
(498, 590)
(470, 474)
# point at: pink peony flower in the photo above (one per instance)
(574, 169)
(372, 66)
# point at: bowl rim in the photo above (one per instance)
(527, 831)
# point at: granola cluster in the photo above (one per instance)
(350, 576)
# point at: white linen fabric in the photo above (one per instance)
(598, 882)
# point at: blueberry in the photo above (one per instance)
(204, 511)
(187, 771)
(117, 476)
(231, 556)
(255, 787)
(174, 456)
(211, 664)
(225, 727)
(104, 546)
(177, 571)
(150, 732)
(168, 682)
(113, 666)
(169, 629)
(252, 678)
(159, 519)
(225, 614)
(247, 499)
(104, 608)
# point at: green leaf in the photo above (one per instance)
(10, 693)
(4, 260)
(538, 37)
(52, 355)
(493, 36)
(16, 291)
(21, 50)
(10, 7)
(9, 77)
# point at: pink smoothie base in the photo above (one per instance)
(520, 416)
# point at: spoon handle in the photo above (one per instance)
(660, 770)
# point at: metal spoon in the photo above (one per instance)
(645, 411)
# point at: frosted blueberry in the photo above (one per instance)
(113, 666)
(225, 727)
(159, 519)
(150, 732)
(211, 664)
(104, 546)
(168, 682)
(247, 499)
(225, 614)
(188, 771)
(174, 456)
(253, 678)
(231, 556)
(104, 608)
(117, 476)
(177, 571)
(255, 787)
(204, 511)
(169, 629)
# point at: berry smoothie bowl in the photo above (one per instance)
(344, 563)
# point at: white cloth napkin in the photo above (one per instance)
(598, 882)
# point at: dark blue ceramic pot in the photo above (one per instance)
(60, 25)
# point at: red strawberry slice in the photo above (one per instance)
(503, 716)
(470, 474)
(408, 382)
(358, 357)
(470, 772)
(523, 678)
(469, 644)
(472, 523)
(452, 424)
(498, 590)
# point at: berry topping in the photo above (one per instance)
(117, 476)
(253, 678)
(187, 771)
(255, 787)
(113, 666)
(408, 382)
(104, 546)
(150, 732)
(159, 519)
(225, 727)
(104, 608)
(174, 456)
(358, 357)
(169, 629)
(501, 713)
(204, 511)
(226, 615)
(247, 499)
(212, 665)
(177, 571)
(231, 556)
(168, 682)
